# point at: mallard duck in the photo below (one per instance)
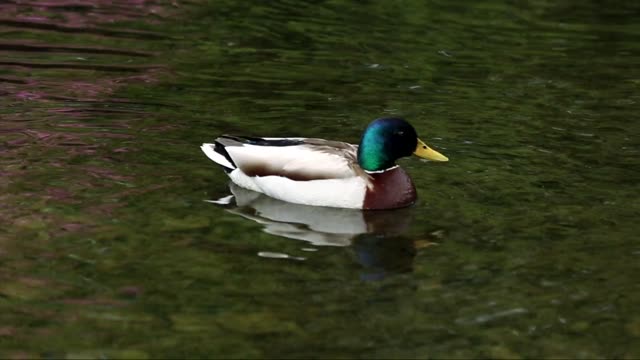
(324, 172)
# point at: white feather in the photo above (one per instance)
(241, 179)
(314, 192)
(222, 201)
(208, 150)
(297, 158)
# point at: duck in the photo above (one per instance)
(319, 172)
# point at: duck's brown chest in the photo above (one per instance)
(391, 189)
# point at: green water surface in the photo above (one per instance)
(524, 245)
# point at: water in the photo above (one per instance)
(523, 245)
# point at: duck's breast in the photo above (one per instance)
(391, 189)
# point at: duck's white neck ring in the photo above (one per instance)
(381, 171)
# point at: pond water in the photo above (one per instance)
(525, 244)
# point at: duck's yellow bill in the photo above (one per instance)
(423, 151)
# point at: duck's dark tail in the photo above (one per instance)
(219, 154)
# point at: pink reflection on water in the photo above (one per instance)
(72, 227)
(29, 95)
(103, 173)
(76, 90)
(59, 194)
(94, 302)
(81, 13)
(63, 119)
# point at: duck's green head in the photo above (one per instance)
(386, 140)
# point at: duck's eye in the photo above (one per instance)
(424, 146)
(400, 133)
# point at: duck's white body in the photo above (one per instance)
(309, 173)
(339, 193)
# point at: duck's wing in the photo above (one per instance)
(293, 158)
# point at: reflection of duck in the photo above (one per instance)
(376, 237)
(318, 225)
(381, 255)
(320, 172)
